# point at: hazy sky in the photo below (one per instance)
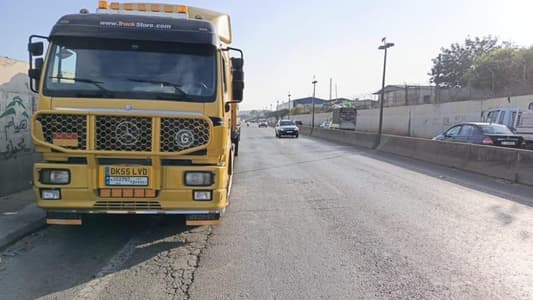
(287, 42)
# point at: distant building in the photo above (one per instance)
(399, 95)
(366, 104)
(305, 102)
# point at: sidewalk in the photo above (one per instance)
(19, 216)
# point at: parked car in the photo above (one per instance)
(482, 134)
(286, 128)
(325, 124)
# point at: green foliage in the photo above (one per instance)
(452, 66)
(279, 114)
(298, 110)
(503, 70)
(483, 63)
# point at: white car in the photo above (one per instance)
(325, 124)
(286, 128)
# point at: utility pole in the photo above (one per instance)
(336, 95)
(313, 101)
(289, 95)
(330, 86)
(277, 110)
(384, 47)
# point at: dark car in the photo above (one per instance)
(286, 128)
(482, 134)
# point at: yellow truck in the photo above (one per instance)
(137, 112)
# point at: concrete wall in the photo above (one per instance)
(425, 121)
(17, 104)
(509, 164)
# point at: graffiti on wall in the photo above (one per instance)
(14, 127)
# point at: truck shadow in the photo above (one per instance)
(124, 251)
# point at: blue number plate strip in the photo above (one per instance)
(126, 180)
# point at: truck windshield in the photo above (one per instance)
(98, 68)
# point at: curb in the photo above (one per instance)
(17, 226)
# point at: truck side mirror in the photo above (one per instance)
(35, 73)
(238, 78)
(36, 66)
(36, 48)
(238, 88)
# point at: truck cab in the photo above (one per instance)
(137, 112)
(504, 116)
(519, 121)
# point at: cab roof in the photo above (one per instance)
(135, 27)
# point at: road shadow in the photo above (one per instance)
(58, 260)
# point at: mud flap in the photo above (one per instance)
(202, 219)
(63, 218)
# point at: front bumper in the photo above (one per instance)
(81, 195)
(288, 133)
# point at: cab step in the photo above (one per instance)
(202, 219)
(63, 218)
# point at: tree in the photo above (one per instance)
(504, 70)
(451, 67)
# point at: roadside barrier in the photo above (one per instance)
(515, 165)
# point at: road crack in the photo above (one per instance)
(198, 248)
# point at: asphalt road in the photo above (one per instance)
(308, 220)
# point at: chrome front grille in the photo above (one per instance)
(182, 134)
(124, 133)
(127, 205)
(66, 129)
(115, 133)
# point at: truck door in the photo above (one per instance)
(502, 120)
(492, 116)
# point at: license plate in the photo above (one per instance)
(125, 176)
(509, 143)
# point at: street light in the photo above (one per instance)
(289, 95)
(277, 110)
(384, 47)
(313, 101)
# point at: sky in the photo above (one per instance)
(286, 43)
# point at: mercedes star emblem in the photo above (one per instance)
(127, 133)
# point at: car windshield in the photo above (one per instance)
(286, 123)
(495, 129)
(98, 68)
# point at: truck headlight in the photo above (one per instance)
(49, 176)
(199, 178)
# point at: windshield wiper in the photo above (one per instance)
(98, 84)
(177, 87)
